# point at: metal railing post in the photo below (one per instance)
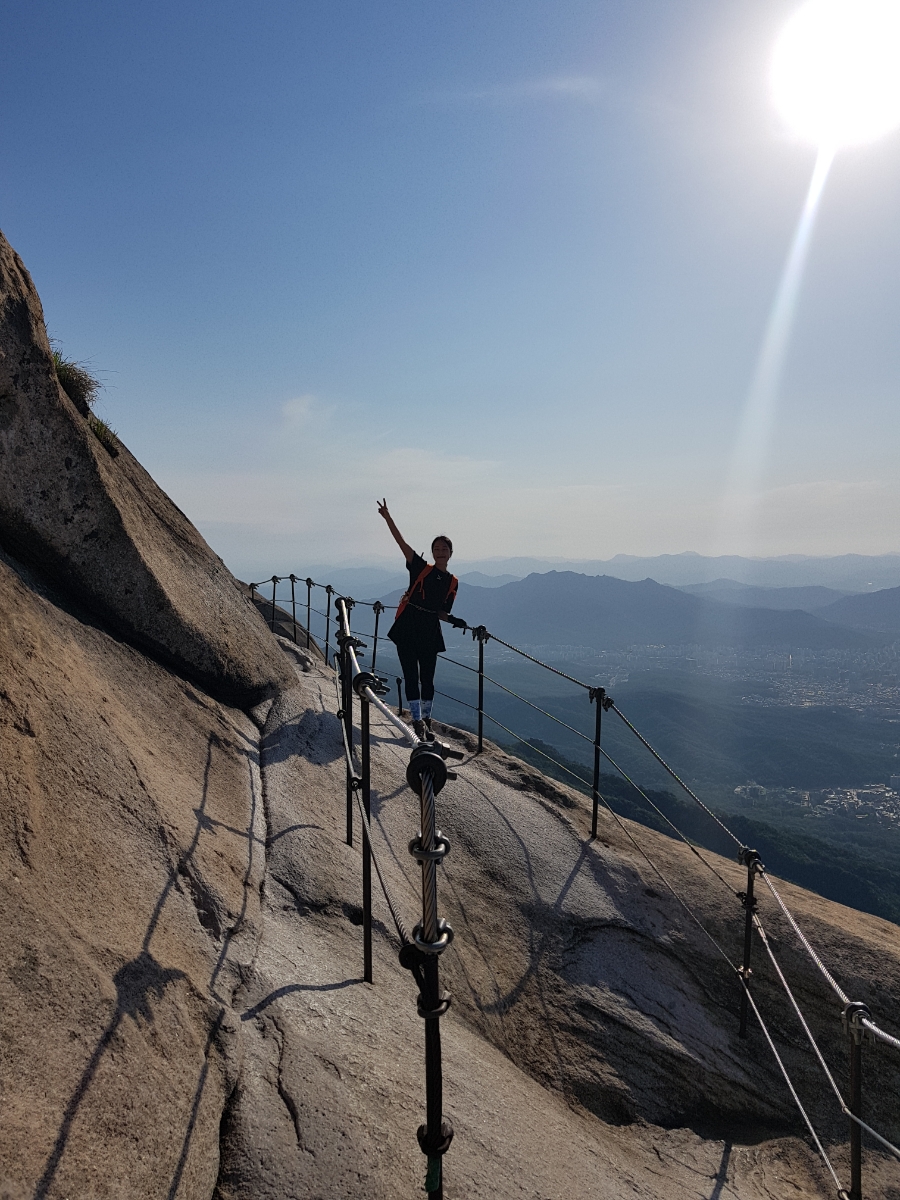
(293, 579)
(853, 1016)
(347, 694)
(274, 586)
(481, 635)
(378, 609)
(399, 698)
(330, 590)
(309, 587)
(367, 849)
(751, 860)
(344, 639)
(597, 696)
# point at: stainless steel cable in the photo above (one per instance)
(515, 649)
(398, 922)
(662, 762)
(880, 1034)
(809, 1125)
(812, 1041)
(837, 989)
(669, 822)
(429, 866)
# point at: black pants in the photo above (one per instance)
(417, 665)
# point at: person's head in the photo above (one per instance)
(441, 549)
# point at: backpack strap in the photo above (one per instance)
(410, 591)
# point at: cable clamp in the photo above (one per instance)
(745, 973)
(350, 639)
(445, 937)
(441, 847)
(479, 633)
(742, 896)
(599, 695)
(355, 783)
(381, 687)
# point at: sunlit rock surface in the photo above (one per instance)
(592, 1043)
(132, 851)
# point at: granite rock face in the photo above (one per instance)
(99, 525)
(131, 857)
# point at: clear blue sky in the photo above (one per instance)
(507, 262)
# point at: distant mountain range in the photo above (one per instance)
(729, 591)
(566, 608)
(847, 573)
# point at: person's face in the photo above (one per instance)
(440, 552)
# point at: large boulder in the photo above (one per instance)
(98, 524)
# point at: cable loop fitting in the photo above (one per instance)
(751, 860)
(433, 1014)
(435, 1145)
(445, 937)
(442, 847)
(350, 639)
(365, 679)
(852, 1019)
(425, 759)
(599, 695)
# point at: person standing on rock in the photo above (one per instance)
(416, 630)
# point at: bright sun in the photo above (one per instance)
(836, 71)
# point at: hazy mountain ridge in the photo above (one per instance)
(565, 608)
(879, 611)
(748, 595)
(847, 573)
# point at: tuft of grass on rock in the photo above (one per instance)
(105, 435)
(77, 382)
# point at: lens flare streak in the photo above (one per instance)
(759, 410)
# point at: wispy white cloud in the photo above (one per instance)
(298, 413)
(585, 89)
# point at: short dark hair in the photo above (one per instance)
(442, 537)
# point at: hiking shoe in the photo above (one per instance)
(428, 724)
(419, 729)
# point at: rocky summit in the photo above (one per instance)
(184, 1014)
(98, 525)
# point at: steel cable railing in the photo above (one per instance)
(420, 951)
(812, 1041)
(856, 1015)
(842, 1194)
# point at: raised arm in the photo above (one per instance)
(408, 551)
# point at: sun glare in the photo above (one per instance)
(836, 71)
